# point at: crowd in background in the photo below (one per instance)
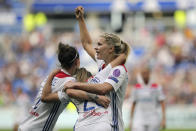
(171, 55)
(26, 59)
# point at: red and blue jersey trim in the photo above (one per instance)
(124, 67)
(61, 74)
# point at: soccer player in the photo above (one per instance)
(43, 116)
(146, 97)
(113, 85)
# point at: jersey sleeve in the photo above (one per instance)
(75, 101)
(63, 97)
(160, 94)
(44, 81)
(116, 77)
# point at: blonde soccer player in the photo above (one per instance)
(112, 84)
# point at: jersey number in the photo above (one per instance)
(89, 108)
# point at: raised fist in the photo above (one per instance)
(79, 12)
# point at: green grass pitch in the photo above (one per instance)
(161, 130)
(125, 130)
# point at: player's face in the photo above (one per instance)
(78, 63)
(146, 74)
(102, 49)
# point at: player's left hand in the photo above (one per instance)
(103, 100)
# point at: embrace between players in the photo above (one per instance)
(98, 98)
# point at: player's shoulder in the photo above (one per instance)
(138, 86)
(118, 71)
(62, 74)
(121, 68)
(154, 86)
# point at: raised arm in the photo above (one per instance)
(84, 34)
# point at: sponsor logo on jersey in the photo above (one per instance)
(116, 73)
(34, 113)
(94, 113)
(113, 78)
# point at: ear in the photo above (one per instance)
(111, 49)
(76, 62)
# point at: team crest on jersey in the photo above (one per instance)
(113, 78)
(116, 73)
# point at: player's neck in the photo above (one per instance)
(146, 81)
(71, 71)
(109, 59)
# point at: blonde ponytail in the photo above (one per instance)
(82, 75)
(125, 48)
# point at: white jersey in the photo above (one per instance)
(92, 113)
(43, 116)
(147, 98)
(118, 78)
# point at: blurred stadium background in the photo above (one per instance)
(160, 32)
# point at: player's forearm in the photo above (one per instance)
(47, 88)
(52, 97)
(84, 34)
(80, 95)
(100, 89)
(119, 60)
